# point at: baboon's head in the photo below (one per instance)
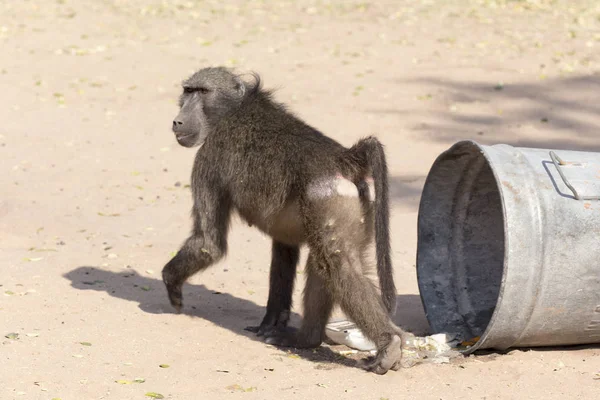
(208, 95)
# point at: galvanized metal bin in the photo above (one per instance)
(509, 246)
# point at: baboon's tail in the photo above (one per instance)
(370, 154)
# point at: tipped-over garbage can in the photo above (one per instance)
(508, 250)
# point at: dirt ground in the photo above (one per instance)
(95, 198)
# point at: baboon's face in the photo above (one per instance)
(207, 97)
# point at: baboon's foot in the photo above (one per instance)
(387, 358)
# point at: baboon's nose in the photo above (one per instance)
(177, 123)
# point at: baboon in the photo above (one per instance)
(300, 187)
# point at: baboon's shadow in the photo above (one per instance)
(222, 309)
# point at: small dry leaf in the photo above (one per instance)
(239, 388)
(92, 282)
(9, 293)
(292, 355)
(33, 334)
(145, 288)
(124, 382)
(34, 259)
(77, 356)
(139, 380)
(164, 365)
(85, 343)
(12, 335)
(155, 395)
(41, 250)
(470, 342)
(108, 215)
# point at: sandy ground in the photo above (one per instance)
(94, 196)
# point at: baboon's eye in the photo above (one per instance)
(204, 90)
(188, 90)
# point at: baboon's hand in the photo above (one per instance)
(173, 286)
(291, 337)
(271, 324)
(265, 330)
(176, 298)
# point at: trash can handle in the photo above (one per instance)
(557, 163)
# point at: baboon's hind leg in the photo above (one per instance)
(344, 239)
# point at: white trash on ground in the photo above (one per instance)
(436, 349)
(347, 333)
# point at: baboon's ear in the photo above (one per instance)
(240, 86)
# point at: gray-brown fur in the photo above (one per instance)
(286, 178)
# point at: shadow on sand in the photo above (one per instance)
(564, 111)
(223, 309)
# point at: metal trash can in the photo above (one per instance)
(508, 246)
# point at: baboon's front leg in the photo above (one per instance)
(206, 245)
(318, 304)
(284, 260)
